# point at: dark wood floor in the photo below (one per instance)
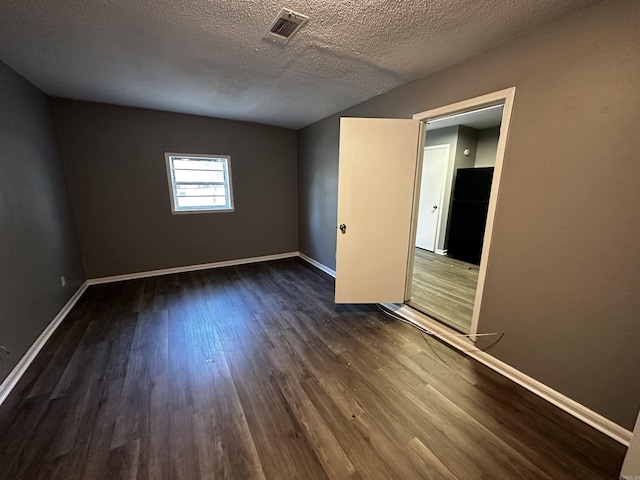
(252, 372)
(444, 288)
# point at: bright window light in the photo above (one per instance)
(199, 183)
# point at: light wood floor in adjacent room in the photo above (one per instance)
(444, 288)
(252, 372)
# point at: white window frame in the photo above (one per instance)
(175, 209)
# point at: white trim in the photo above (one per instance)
(317, 264)
(14, 376)
(505, 96)
(189, 268)
(489, 99)
(441, 252)
(493, 200)
(453, 338)
(422, 138)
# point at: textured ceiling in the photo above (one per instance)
(208, 57)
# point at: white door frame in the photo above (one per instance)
(505, 97)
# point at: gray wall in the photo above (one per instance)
(564, 269)
(318, 190)
(114, 158)
(467, 139)
(38, 241)
(487, 147)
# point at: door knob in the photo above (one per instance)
(343, 228)
(435, 206)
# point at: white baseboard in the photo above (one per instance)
(12, 379)
(189, 268)
(453, 338)
(441, 252)
(317, 264)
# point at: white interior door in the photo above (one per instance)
(375, 199)
(434, 171)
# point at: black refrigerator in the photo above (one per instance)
(469, 213)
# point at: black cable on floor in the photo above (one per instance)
(426, 334)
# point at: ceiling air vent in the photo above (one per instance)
(286, 24)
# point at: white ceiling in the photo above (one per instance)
(208, 57)
(486, 117)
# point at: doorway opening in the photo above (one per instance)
(379, 181)
(457, 171)
(455, 195)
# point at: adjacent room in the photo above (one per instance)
(453, 204)
(319, 240)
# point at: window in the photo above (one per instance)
(199, 183)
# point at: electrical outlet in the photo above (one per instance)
(63, 280)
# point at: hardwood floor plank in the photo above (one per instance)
(253, 372)
(279, 438)
(98, 440)
(330, 453)
(444, 288)
(26, 422)
(428, 462)
(123, 461)
(358, 448)
(330, 370)
(154, 460)
(184, 465)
